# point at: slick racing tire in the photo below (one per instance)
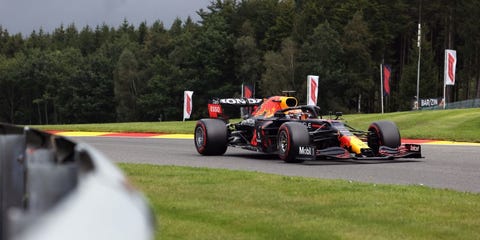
(211, 137)
(383, 133)
(290, 136)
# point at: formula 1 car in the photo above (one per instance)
(296, 133)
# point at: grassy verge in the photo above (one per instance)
(200, 203)
(150, 127)
(454, 125)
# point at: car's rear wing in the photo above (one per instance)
(215, 109)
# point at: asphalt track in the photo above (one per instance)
(445, 165)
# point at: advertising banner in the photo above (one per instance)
(187, 104)
(450, 66)
(386, 80)
(312, 90)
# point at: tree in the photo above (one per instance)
(322, 54)
(164, 92)
(430, 84)
(280, 70)
(142, 33)
(157, 40)
(212, 54)
(358, 62)
(63, 38)
(468, 30)
(248, 62)
(12, 44)
(86, 41)
(68, 76)
(38, 40)
(11, 85)
(125, 77)
(283, 25)
(96, 99)
(60, 74)
(247, 58)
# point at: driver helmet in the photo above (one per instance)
(294, 113)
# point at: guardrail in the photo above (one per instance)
(55, 188)
(470, 103)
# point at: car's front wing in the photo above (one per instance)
(311, 153)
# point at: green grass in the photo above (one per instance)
(201, 203)
(144, 127)
(454, 125)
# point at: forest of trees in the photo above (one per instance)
(138, 73)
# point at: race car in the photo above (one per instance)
(297, 133)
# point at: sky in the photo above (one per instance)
(24, 16)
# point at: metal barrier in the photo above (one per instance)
(471, 103)
(52, 186)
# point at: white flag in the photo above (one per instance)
(312, 89)
(450, 66)
(187, 104)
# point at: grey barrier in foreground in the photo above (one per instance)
(55, 188)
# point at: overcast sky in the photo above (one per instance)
(24, 16)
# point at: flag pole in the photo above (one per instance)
(444, 86)
(418, 67)
(419, 45)
(381, 85)
(184, 105)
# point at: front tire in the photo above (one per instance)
(383, 133)
(290, 136)
(210, 137)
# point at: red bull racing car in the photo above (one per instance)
(296, 133)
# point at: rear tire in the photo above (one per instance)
(290, 136)
(210, 137)
(383, 133)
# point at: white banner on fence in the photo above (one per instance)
(187, 104)
(450, 66)
(312, 90)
